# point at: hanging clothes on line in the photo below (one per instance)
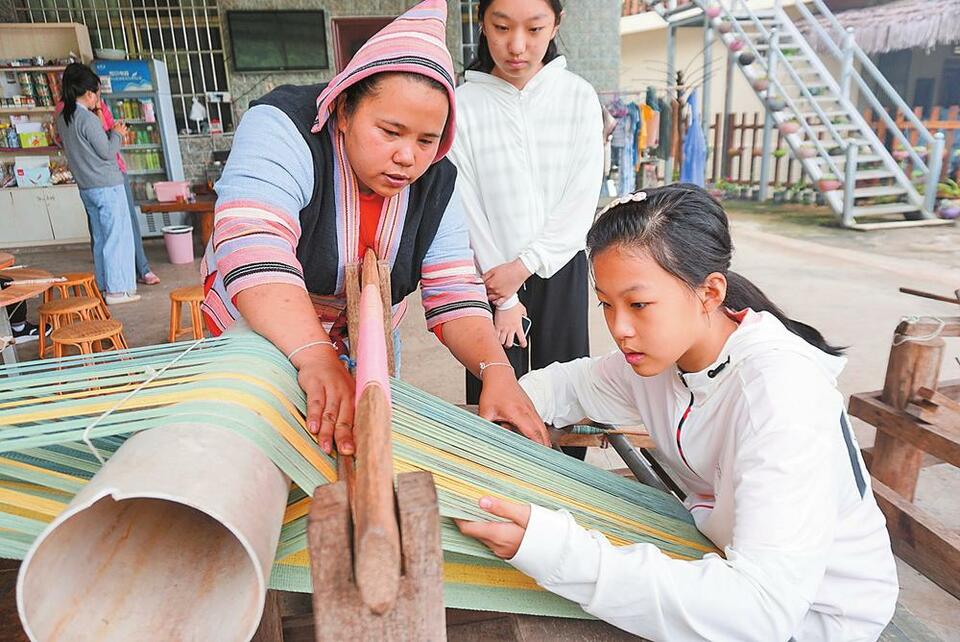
(694, 146)
(666, 128)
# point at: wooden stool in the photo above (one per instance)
(86, 334)
(192, 296)
(58, 313)
(77, 284)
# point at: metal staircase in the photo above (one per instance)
(832, 138)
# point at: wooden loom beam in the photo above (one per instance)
(368, 581)
(914, 421)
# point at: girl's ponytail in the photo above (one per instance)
(742, 294)
(686, 232)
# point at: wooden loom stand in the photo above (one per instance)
(375, 577)
(917, 419)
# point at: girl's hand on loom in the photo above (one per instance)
(330, 390)
(503, 281)
(502, 400)
(503, 538)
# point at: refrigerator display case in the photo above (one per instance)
(138, 93)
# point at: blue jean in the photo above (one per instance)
(140, 257)
(112, 238)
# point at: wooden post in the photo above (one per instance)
(386, 296)
(271, 625)
(339, 613)
(352, 287)
(912, 365)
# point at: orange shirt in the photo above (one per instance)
(370, 207)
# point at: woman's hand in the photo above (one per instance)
(503, 281)
(503, 538)
(120, 129)
(509, 326)
(502, 400)
(330, 390)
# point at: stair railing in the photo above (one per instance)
(851, 53)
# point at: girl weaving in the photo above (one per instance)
(317, 175)
(742, 402)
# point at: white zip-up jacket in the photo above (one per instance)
(761, 439)
(530, 166)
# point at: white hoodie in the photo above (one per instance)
(761, 439)
(529, 166)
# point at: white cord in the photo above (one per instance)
(904, 338)
(151, 377)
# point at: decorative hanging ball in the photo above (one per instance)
(776, 104)
(736, 44)
(761, 84)
(725, 27)
(789, 127)
(746, 58)
(713, 11)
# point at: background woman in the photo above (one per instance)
(92, 155)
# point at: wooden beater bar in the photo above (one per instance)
(375, 577)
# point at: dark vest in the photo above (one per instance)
(318, 248)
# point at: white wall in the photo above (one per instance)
(643, 61)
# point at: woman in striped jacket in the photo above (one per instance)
(318, 174)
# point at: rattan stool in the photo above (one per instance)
(192, 296)
(58, 313)
(85, 335)
(77, 284)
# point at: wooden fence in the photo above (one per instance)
(945, 119)
(745, 145)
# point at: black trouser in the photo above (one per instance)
(17, 312)
(557, 308)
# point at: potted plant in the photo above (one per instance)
(829, 183)
(900, 155)
(718, 191)
(790, 52)
(807, 195)
(806, 150)
(950, 203)
(779, 194)
(760, 83)
(789, 126)
(949, 209)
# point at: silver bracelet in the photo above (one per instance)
(310, 345)
(484, 365)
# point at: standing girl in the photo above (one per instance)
(92, 156)
(529, 154)
(742, 402)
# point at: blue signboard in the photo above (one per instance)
(117, 76)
